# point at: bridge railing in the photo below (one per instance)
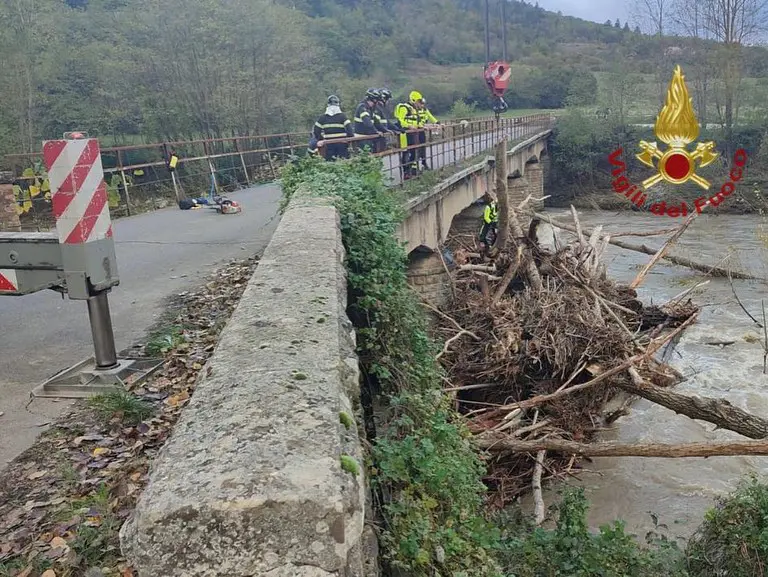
(138, 178)
(453, 144)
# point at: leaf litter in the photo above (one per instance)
(63, 501)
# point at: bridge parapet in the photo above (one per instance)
(259, 476)
(251, 482)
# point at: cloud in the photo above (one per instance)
(595, 10)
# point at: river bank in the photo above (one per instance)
(743, 202)
(679, 491)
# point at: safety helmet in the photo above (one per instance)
(386, 94)
(372, 94)
(334, 100)
(415, 96)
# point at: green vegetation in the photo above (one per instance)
(163, 340)
(122, 404)
(15, 567)
(349, 465)
(422, 460)
(94, 541)
(346, 420)
(570, 549)
(139, 70)
(733, 539)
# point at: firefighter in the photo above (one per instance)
(408, 118)
(490, 223)
(425, 117)
(384, 113)
(366, 122)
(332, 126)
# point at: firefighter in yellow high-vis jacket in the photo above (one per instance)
(425, 117)
(407, 115)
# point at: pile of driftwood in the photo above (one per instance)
(539, 341)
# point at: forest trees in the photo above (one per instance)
(143, 69)
(732, 23)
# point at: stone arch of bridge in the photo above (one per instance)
(454, 210)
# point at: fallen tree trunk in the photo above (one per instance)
(726, 449)
(717, 411)
(539, 511)
(664, 250)
(711, 270)
(513, 223)
(501, 194)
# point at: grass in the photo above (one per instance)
(517, 112)
(164, 339)
(69, 475)
(127, 406)
(95, 539)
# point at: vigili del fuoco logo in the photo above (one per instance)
(677, 127)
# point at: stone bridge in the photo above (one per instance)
(263, 476)
(451, 208)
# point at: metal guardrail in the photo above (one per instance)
(452, 144)
(138, 178)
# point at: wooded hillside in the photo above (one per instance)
(129, 69)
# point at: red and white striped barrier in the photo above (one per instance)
(8, 281)
(78, 191)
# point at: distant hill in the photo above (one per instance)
(182, 68)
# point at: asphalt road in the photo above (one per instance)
(159, 254)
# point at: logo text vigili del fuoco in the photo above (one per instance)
(677, 127)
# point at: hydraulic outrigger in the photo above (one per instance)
(77, 260)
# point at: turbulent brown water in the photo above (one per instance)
(680, 490)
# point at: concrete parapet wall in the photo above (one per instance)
(250, 482)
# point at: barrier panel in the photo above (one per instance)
(77, 259)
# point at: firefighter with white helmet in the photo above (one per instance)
(332, 126)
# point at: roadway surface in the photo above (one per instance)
(159, 255)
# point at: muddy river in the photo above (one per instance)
(680, 490)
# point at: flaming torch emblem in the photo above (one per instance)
(677, 127)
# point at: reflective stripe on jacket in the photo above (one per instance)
(365, 122)
(407, 115)
(335, 126)
(426, 117)
(491, 213)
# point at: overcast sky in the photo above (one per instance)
(596, 10)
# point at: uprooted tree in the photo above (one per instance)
(538, 341)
